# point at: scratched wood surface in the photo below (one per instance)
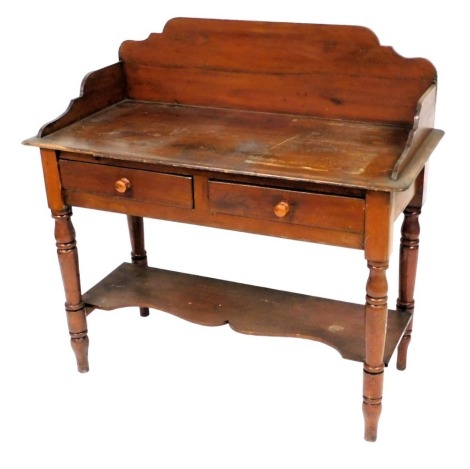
(239, 142)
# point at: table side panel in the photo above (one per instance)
(91, 185)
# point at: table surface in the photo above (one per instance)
(287, 146)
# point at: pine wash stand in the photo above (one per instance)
(301, 131)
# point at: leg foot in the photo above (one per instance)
(79, 341)
(371, 417)
(80, 344)
(372, 403)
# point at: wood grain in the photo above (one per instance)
(247, 309)
(347, 154)
(331, 71)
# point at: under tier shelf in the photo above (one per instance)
(247, 309)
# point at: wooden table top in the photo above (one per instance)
(275, 145)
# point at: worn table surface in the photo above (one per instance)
(276, 145)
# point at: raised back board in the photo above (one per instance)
(338, 72)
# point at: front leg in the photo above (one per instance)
(375, 332)
(377, 250)
(74, 306)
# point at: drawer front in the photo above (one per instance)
(287, 206)
(146, 186)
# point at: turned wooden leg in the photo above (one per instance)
(409, 246)
(74, 307)
(138, 254)
(375, 330)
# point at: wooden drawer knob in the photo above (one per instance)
(281, 209)
(122, 185)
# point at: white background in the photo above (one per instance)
(166, 393)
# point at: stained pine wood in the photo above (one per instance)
(310, 132)
(201, 215)
(409, 247)
(149, 186)
(329, 71)
(138, 253)
(247, 309)
(64, 233)
(99, 90)
(353, 154)
(304, 208)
